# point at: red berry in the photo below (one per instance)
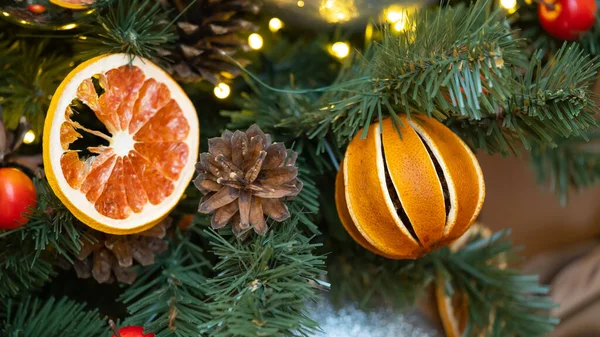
(567, 19)
(133, 331)
(17, 193)
(36, 8)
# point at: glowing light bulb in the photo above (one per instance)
(393, 15)
(340, 49)
(255, 41)
(509, 5)
(68, 26)
(400, 25)
(300, 3)
(275, 25)
(222, 90)
(29, 137)
(338, 10)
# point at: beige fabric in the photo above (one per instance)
(538, 222)
(561, 243)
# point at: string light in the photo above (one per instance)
(275, 25)
(393, 14)
(29, 137)
(509, 5)
(255, 41)
(334, 11)
(397, 17)
(222, 90)
(340, 49)
(300, 3)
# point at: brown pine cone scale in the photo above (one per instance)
(114, 256)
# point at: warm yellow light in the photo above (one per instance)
(300, 3)
(368, 33)
(340, 49)
(393, 15)
(255, 41)
(29, 137)
(5, 14)
(338, 10)
(400, 25)
(509, 5)
(68, 26)
(275, 25)
(222, 91)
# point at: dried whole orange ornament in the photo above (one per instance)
(120, 143)
(404, 196)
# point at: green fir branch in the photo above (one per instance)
(573, 164)
(464, 66)
(28, 254)
(498, 297)
(135, 27)
(31, 72)
(501, 301)
(21, 269)
(371, 280)
(50, 318)
(168, 297)
(51, 226)
(263, 286)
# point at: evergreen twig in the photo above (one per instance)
(498, 297)
(51, 224)
(29, 76)
(262, 287)
(135, 27)
(501, 301)
(574, 163)
(168, 297)
(52, 318)
(29, 253)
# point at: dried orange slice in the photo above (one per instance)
(453, 309)
(73, 4)
(124, 173)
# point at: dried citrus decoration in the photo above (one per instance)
(73, 4)
(125, 172)
(245, 176)
(453, 309)
(403, 196)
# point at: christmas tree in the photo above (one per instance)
(204, 168)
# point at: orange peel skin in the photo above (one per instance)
(369, 203)
(463, 174)
(340, 200)
(405, 196)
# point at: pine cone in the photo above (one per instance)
(113, 256)
(245, 177)
(206, 30)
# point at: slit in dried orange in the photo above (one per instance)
(120, 143)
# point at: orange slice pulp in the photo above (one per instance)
(143, 160)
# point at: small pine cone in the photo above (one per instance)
(207, 31)
(113, 256)
(245, 177)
